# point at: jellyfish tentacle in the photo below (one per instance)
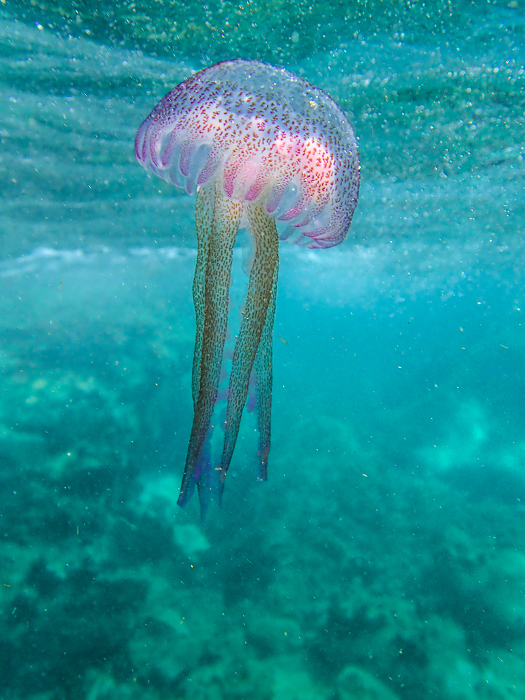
(226, 219)
(263, 384)
(203, 221)
(256, 324)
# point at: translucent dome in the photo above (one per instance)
(266, 135)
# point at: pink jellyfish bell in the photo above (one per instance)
(265, 148)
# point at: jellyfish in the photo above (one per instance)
(265, 151)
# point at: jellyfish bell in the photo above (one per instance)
(257, 129)
(263, 149)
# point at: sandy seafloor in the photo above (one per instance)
(385, 556)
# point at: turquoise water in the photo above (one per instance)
(384, 557)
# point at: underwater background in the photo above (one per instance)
(384, 558)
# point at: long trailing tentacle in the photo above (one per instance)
(211, 335)
(263, 384)
(203, 222)
(256, 325)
